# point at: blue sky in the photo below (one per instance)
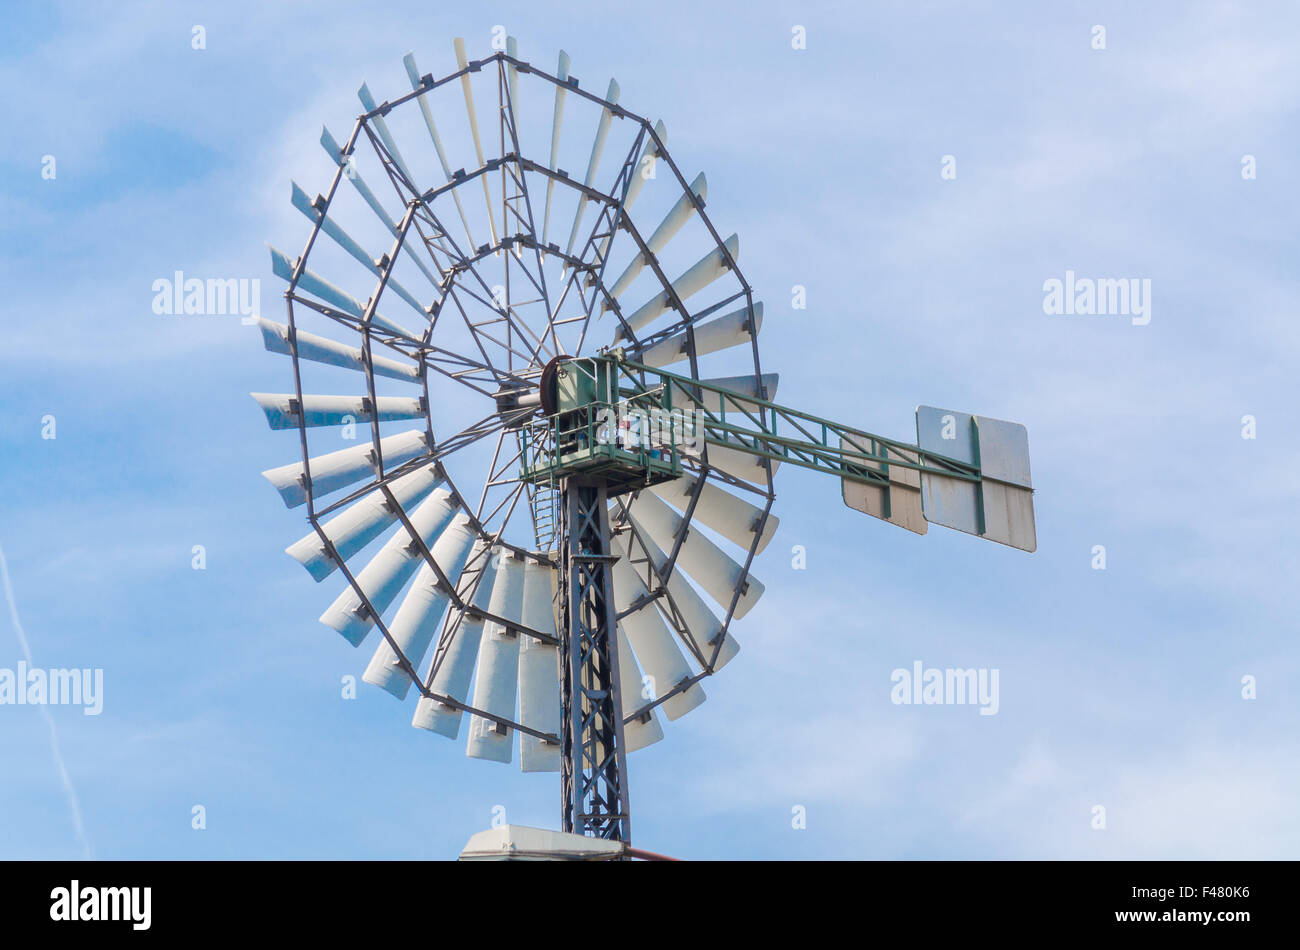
(1120, 688)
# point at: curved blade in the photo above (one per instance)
(318, 286)
(707, 564)
(646, 164)
(368, 102)
(635, 692)
(497, 681)
(462, 62)
(417, 618)
(354, 528)
(737, 463)
(389, 570)
(593, 163)
(335, 153)
(729, 515)
(653, 643)
(282, 410)
(344, 240)
(334, 470)
(413, 74)
(718, 333)
(673, 221)
(512, 79)
(700, 622)
(702, 273)
(319, 349)
(641, 171)
(562, 74)
(716, 402)
(457, 667)
(539, 673)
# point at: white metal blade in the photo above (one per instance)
(369, 104)
(512, 78)
(700, 274)
(707, 564)
(319, 349)
(282, 410)
(562, 74)
(318, 286)
(718, 333)
(635, 692)
(673, 221)
(344, 240)
(643, 169)
(335, 152)
(417, 618)
(735, 462)
(413, 74)
(453, 676)
(703, 626)
(539, 673)
(337, 469)
(497, 680)
(711, 401)
(729, 515)
(355, 527)
(653, 643)
(646, 165)
(593, 163)
(389, 570)
(462, 62)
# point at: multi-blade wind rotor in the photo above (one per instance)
(484, 309)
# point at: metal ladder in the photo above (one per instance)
(545, 501)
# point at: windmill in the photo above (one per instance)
(555, 417)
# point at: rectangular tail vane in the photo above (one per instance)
(998, 506)
(899, 502)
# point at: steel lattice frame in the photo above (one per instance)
(510, 351)
(593, 758)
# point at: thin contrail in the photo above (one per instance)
(73, 804)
